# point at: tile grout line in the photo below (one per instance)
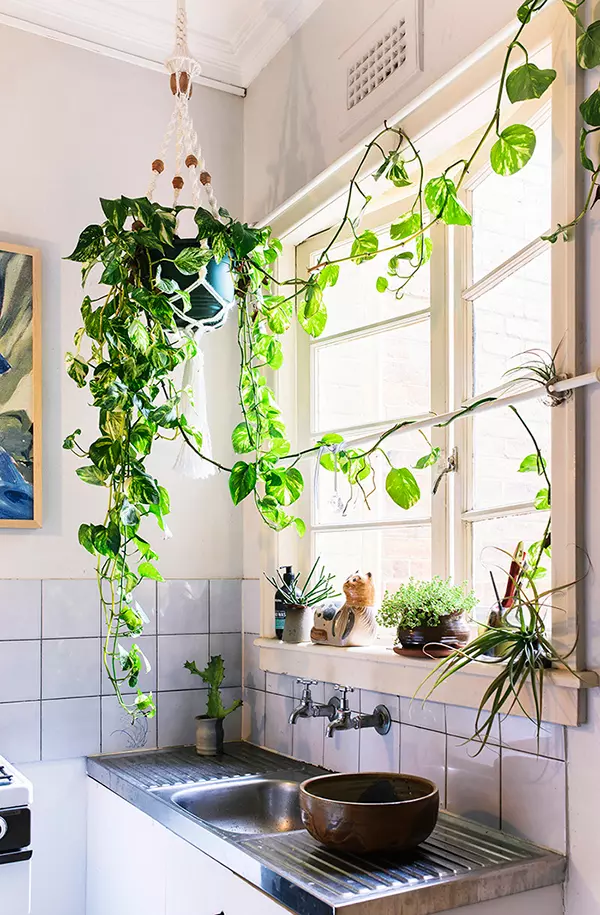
(41, 669)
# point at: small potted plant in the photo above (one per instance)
(429, 616)
(209, 727)
(300, 602)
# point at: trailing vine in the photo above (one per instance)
(129, 346)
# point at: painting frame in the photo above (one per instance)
(35, 254)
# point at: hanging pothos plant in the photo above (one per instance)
(128, 348)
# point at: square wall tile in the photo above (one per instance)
(380, 752)
(278, 730)
(253, 728)
(120, 734)
(147, 679)
(19, 671)
(70, 668)
(308, 740)
(177, 713)
(280, 684)
(341, 752)
(254, 677)
(369, 699)
(70, 728)
(461, 722)
(423, 753)
(70, 609)
(20, 609)
(534, 798)
(474, 782)
(232, 726)
(173, 652)
(182, 607)
(521, 734)
(229, 646)
(251, 605)
(226, 605)
(20, 724)
(419, 714)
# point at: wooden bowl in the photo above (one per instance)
(369, 811)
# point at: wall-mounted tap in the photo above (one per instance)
(310, 709)
(344, 720)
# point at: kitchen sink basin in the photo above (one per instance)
(245, 806)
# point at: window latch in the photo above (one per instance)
(451, 467)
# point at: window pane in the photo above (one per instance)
(377, 377)
(403, 451)
(489, 537)
(500, 443)
(392, 554)
(354, 301)
(510, 212)
(513, 317)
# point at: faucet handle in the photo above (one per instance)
(306, 692)
(344, 690)
(307, 682)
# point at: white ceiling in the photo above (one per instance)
(232, 39)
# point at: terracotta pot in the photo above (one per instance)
(298, 624)
(370, 811)
(439, 641)
(209, 736)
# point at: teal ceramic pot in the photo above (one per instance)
(209, 299)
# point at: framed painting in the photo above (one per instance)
(20, 387)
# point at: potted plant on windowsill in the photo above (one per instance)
(429, 616)
(209, 727)
(301, 602)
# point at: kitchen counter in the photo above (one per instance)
(462, 863)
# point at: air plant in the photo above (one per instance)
(521, 651)
(315, 591)
(539, 368)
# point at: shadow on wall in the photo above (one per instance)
(299, 154)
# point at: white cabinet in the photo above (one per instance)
(137, 865)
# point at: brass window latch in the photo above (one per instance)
(450, 467)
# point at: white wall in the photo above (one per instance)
(76, 126)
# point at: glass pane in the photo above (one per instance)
(513, 317)
(377, 377)
(499, 444)
(354, 302)
(392, 554)
(489, 537)
(510, 212)
(403, 451)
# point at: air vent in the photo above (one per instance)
(380, 62)
(385, 55)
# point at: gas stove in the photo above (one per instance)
(16, 796)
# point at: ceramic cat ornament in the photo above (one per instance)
(353, 625)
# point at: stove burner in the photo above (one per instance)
(5, 777)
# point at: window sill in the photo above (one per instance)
(378, 668)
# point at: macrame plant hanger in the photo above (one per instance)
(183, 69)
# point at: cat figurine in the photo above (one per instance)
(353, 625)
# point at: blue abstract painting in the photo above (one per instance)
(17, 387)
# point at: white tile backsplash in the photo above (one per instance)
(70, 668)
(461, 722)
(278, 731)
(120, 733)
(183, 607)
(19, 671)
(380, 752)
(232, 725)
(423, 752)
(20, 724)
(281, 684)
(20, 609)
(430, 715)
(70, 728)
(533, 798)
(521, 734)
(251, 605)
(70, 609)
(173, 652)
(254, 677)
(177, 713)
(308, 740)
(253, 728)
(226, 606)
(369, 699)
(474, 781)
(341, 751)
(229, 646)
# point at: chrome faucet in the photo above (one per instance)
(310, 709)
(344, 720)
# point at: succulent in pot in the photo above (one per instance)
(300, 601)
(429, 616)
(209, 727)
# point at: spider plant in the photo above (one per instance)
(316, 589)
(521, 652)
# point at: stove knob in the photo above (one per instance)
(3, 828)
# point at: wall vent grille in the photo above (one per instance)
(381, 61)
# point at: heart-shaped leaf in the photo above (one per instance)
(242, 481)
(590, 109)
(442, 202)
(402, 487)
(588, 47)
(528, 82)
(513, 149)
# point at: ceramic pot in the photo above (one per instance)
(209, 736)
(451, 632)
(208, 300)
(298, 624)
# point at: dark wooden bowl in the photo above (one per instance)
(369, 811)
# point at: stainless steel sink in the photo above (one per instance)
(257, 805)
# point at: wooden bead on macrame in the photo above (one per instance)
(158, 166)
(184, 83)
(191, 162)
(205, 178)
(178, 182)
